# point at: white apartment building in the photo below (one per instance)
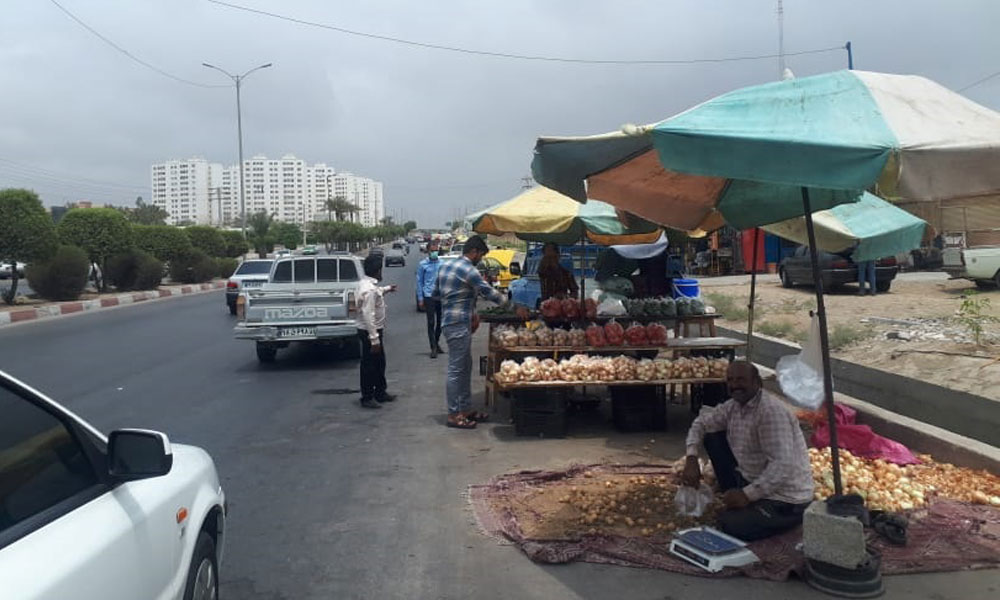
(195, 191)
(181, 188)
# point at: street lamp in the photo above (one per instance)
(238, 80)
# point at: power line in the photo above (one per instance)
(975, 83)
(30, 170)
(129, 54)
(509, 55)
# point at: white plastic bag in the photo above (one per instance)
(614, 308)
(801, 375)
(692, 502)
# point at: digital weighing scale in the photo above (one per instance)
(711, 549)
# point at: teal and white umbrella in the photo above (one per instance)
(744, 156)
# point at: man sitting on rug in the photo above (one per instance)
(759, 456)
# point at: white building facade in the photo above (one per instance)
(196, 191)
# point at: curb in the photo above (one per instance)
(50, 311)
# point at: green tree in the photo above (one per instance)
(236, 246)
(62, 276)
(100, 232)
(288, 235)
(409, 226)
(207, 239)
(146, 214)
(26, 233)
(338, 207)
(260, 236)
(162, 241)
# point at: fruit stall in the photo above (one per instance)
(568, 344)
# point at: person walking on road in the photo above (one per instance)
(459, 284)
(427, 272)
(371, 327)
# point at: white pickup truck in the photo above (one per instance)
(981, 264)
(309, 299)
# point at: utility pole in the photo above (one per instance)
(781, 41)
(238, 81)
(850, 55)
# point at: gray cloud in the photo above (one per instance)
(445, 132)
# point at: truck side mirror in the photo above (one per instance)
(515, 269)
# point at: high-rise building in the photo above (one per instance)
(195, 191)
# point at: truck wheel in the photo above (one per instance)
(882, 286)
(996, 279)
(265, 353)
(786, 281)
(986, 284)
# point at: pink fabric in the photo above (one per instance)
(860, 439)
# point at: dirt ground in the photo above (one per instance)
(913, 330)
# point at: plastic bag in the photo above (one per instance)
(692, 502)
(801, 375)
(860, 439)
(612, 307)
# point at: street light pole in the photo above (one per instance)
(238, 81)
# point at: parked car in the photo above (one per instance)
(981, 264)
(250, 274)
(120, 517)
(499, 267)
(395, 257)
(6, 271)
(836, 270)
(309, 299)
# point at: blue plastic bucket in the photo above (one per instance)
(686, 287)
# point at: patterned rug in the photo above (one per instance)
(945, 536)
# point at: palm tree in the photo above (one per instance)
(338, 206)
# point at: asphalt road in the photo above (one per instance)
(331, 501)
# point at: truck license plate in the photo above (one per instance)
(297, 332)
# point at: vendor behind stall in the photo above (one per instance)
(759, 457)
(556, 281)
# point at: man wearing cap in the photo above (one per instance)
(371, 326)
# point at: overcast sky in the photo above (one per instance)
(445, 132)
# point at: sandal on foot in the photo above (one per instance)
(460, 422)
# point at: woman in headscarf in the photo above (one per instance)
(556, 281)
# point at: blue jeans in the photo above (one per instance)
(459, 383)
(866, 272)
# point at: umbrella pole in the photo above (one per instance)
(753, 294)
(824, 342)
(583, 267)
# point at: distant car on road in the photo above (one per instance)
(282, 253)
(310, 250)
(6, 271)
(120, 517)
(250, 274)
(395, 257)
(836, 270)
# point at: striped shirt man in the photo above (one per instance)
(458, 285)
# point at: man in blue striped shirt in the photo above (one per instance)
(458, 285)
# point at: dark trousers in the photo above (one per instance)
(432, 308)
(757, 520)
(372, 367)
